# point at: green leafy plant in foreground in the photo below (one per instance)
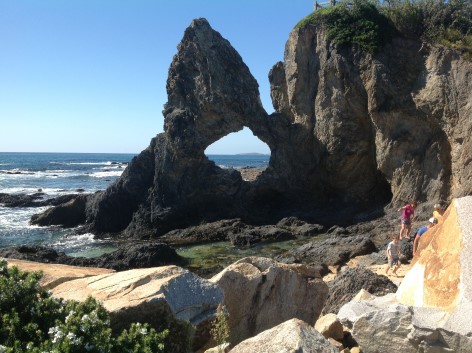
(32, 321)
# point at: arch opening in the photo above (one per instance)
(241, 151)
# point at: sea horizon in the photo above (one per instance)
(136, 153)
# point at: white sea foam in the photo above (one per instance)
(50, 174)
(114, 166)
(83, 163)
(107, 174)
(18, 218)
(30, 190)
(76, 240)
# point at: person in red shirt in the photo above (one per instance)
(407, 215)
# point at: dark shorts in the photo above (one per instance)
(393, 261)
(406, 221)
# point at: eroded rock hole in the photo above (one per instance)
(241, 151)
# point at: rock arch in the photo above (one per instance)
(337, 138)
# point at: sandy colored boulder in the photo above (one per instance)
(330, 327)
(55, 274)
(164, 297)
(261, 293)
(292, 336)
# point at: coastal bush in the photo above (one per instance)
(32, 321)
(445, 22)
(371, 24)
(357, 23)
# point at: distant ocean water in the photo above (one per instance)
(57, 174)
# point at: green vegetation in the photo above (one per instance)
(220, 329)
(360, 24)
(370, 24)
(32, 321)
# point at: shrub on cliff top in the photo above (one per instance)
(32, 321)
(358, 23)
(445, 22)
(370, 24)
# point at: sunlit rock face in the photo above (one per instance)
(441, 272)
(350, 130)
(432, 309)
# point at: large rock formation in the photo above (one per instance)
(166, 297)
(350, 129)
(441, 272)
(261, 293)
(432, 308)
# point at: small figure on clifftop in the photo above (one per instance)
(438, 212)
(393, 255)
(407, 214)
(432, 222)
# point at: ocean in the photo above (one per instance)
(56, 174)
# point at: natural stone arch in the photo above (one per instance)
(249, 172)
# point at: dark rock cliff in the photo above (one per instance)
(350, 130)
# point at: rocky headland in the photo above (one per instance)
(353, 136)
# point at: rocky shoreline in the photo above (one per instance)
(352, 282)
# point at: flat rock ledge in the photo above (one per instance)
(56, 274)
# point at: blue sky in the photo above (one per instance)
(90, 75)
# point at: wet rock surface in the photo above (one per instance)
(68, 214)
(33, 200)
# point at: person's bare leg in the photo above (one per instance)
(401, 231)
(408, 229)
(397, 266)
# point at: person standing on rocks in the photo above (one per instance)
(393, 255)
(406, 217)
(432, 222)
